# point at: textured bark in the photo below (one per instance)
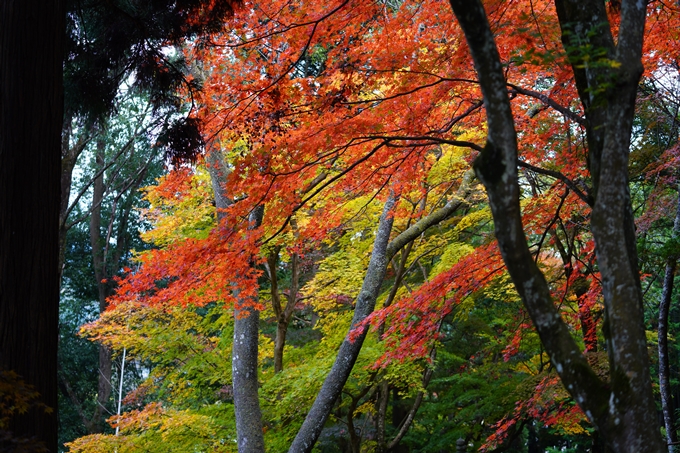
(249, 436)
(244, 370)
(624, 412)
(244, 375)
(218, 179)
(31, 106)
(349, 350)
(664, 361)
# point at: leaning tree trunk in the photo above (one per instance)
(31, 105)
(349, 350)
(624, 412)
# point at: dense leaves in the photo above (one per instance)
(323, 112)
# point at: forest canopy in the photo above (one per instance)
(377, 226)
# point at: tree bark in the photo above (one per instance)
(664, 362)
(106, 262)
(31, 108)
(249, 436)
(283, 313)
(99, 263)
(349, 350)
(625, 412)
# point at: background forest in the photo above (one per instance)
(300, 219)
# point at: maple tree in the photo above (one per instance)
(596, 63)
(327, 287)
(35, 53)
(630, 406)
(311, 109)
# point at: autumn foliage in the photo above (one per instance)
(320, 111)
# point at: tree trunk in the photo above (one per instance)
(664, 362)
(624, 412)
(99, 263)
(69, 158)
(349, 350)
(106, 261)
(283, 314)
(249, 436)
(31, 106)
(279, 344)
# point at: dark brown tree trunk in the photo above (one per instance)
(381, 415)
(279, 344)
(283, 313)
(106, 262)
(31, 106)
(99, 263)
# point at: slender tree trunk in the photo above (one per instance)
(106, 262)
(283, 314)
(349, 350)
(69, 157)
(383, 400)
(31, 107)
(104, 386)
(279, 344)
(411, 415)
(664, 362)
(249, 436)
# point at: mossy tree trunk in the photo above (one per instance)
(623, 411)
